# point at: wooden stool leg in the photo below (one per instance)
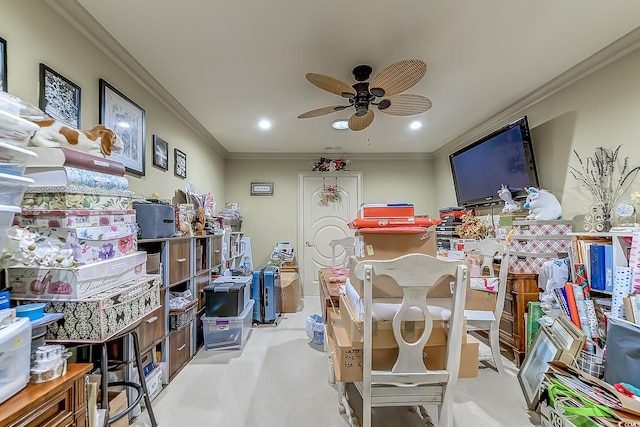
(143, 382)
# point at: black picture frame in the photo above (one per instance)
(3, 64)
(127, 120)
(160, 153)
(59, 97)
(180, 163)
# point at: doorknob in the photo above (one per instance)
(309, 244)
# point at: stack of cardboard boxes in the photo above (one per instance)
(345, 329)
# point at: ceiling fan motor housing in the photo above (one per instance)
(362, 99)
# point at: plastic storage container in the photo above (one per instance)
(6, 219)
(156, 220)
(15, 130)
(225, 333)
(227, 296)
(13, 159)
(15, 347)
(33, 311)
(13, 189)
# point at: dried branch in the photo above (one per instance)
(598, 175)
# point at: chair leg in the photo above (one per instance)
(143, 382)
(494, 342)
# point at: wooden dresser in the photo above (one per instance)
(521, 288)
(329, 291)
(58, 403)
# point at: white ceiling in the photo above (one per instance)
(232, 63)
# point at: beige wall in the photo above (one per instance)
(35, 34)
(268, 220)
(600, 110)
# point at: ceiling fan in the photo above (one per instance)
(383, 91)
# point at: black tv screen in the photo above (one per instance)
(504, 157)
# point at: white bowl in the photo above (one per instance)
(12, 189)
(14, 159)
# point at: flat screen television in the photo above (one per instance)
(505, 156)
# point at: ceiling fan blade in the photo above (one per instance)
(398, 76)
(322, 111)
(361, 122)
(330, 84)
(406, 105)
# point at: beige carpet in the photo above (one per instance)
(279, 379)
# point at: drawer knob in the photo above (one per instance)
(182, 347)
(181, 260)
(152, 319)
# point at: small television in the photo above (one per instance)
(505, 156)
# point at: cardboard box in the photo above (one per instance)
(382, 331)
(480, 300)
(389, 246)
(347, 360)
(290, 288)
(117, 403)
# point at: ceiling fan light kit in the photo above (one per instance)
(387, 84)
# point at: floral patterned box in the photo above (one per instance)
(70, 218)
(103, 315)
(60, 197)
(93, 244)
(75, 282)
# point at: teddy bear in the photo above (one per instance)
(200, 223)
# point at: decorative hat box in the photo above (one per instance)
(60, 197)
(535, 242)
(103, 315)
(94, 244)
(76, 282)
(70, 218)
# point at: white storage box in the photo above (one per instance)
(76, 282)
(95, 244)
(13, 189)
(225, 333)
(13, 159)
(69, 218)
(101, 316)
(15, 346)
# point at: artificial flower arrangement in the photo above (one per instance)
(328, 165)
(330, 194)
(30, 249)
(472, 227)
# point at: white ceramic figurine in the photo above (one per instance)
(542, 205)
(509, 204)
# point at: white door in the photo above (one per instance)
(322, 221)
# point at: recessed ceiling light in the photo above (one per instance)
(340, 124)
(264, 124)
(415, 125)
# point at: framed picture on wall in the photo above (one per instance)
(160, 153)
(180, 163)
(59, 97)
(3, 64)
(127, 120)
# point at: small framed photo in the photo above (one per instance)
(569, 336)
(531, 374)
(160, 153)
(262, 188)
(59, 97)
(127, 120)
(3, 64)
(180, 163)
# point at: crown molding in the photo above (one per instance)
(614, 51)
(92, 30)
(316, 156)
